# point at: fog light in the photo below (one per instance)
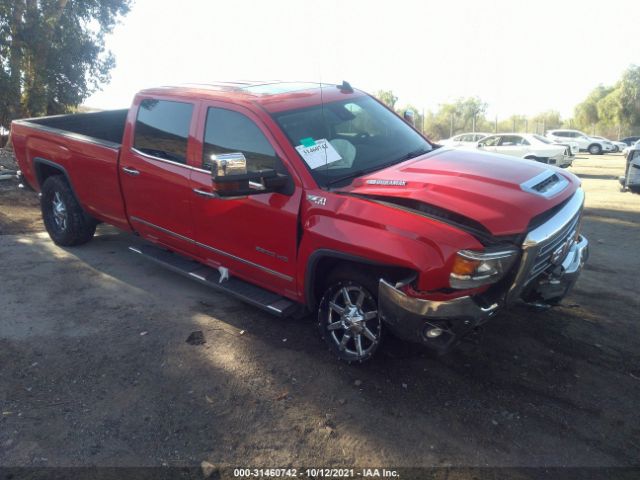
(434, 332)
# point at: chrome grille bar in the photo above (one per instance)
(539, 243)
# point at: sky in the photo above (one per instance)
(520, 57)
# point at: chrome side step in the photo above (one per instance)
(252, 294)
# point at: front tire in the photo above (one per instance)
(348, 318)
(595, 149)
(66, 222)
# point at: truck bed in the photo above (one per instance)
(107, 126)
(85, 147)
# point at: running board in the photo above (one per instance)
(252, 294)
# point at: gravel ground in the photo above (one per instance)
(95, 369)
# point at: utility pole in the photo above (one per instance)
(495, 128)
(451, 127)
(473, 123)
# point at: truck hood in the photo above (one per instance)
(500, 193)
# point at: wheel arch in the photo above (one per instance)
(323, 261)
(44, 169)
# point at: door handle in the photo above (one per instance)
(204, 193)
(130, 171)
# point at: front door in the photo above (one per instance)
(155, 175)
(255, 237)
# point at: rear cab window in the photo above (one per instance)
(162, 129)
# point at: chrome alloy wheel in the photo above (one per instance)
(59, 211)
(353, 322)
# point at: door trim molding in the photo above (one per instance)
(208, 247)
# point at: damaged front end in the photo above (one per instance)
(552, 256)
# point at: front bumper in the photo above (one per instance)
(549, 268)
(412, 319)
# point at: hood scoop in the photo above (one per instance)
(547, 184)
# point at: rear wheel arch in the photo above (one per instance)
(44, 169)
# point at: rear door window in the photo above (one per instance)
(162, 129)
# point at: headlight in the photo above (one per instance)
(475, 269)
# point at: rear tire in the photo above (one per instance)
(65, 220)
(348, 318)
(595, 149)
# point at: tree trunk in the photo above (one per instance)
(16, 61)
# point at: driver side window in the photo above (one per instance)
(227, 131)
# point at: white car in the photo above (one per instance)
(528, 146)
(464, 140)
(617, 146)
(626, 150)
(584, 141)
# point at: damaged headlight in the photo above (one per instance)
(475, 269)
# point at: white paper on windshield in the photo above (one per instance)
(319, 154)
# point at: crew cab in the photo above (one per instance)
(301, 197)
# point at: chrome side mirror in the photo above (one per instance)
(226, 164)
(230, 177)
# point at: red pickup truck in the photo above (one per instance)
(296, 196)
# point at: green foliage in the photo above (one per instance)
(52, 53)
(612, 110)
(387, 97)
(452, 118)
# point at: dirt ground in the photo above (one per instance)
(95, 370)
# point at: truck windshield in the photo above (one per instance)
(343, 140)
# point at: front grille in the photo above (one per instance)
(542, 260)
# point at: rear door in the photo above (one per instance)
(255, 236)
(155, 176)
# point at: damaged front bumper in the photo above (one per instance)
(436, 324)
(553, 256)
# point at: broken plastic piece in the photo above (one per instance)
(224, 274)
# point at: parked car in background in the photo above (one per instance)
(464, 139)
(584, 141)
(617, 146)
(573, 146)
(631, 179)
(625, 151)
(528, 146)
(630, 140)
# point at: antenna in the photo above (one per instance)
(345, 87)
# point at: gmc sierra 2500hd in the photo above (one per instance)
(301, 195)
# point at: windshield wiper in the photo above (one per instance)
(364, 171)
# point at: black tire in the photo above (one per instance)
(595, 149)
(65, 220)
(364, 332)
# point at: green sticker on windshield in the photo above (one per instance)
(307, 142)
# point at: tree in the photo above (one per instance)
(387, 97)
(586, 113)
(545, 121)
(629, 102)
(53, 54)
